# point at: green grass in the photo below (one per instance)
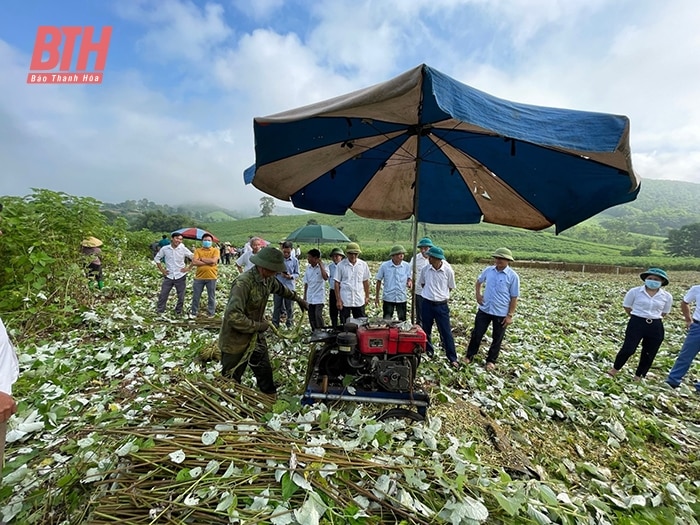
(462, 243)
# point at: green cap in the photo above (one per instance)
(269, 258)
(337, 251)
(397, 249)
(503, 253)
(425, 241)
(353, 247)
(655, 271)
(436, 251)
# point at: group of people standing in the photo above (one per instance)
(497, 289)
(174, 261)
(496, 292)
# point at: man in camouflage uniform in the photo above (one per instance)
(243, 319)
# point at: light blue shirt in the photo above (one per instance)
(331, 273)
(499, 288)
(394, 278)
(292, 264)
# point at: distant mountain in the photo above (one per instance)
(661, 205)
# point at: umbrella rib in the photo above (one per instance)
(399, 148)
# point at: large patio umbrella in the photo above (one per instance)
(317, 233)
(194, 233)
(428, 146)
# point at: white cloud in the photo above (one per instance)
(178, 29)
(258, 9)
(133, 137)
(275, 72)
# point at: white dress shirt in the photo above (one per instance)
(174, 259)
(648, 306)
(437, 284)
(9, 366)
(351, 278)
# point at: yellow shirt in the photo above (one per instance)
(208, 271)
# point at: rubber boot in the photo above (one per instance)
(100, 285)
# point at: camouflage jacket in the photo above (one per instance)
(245, 309)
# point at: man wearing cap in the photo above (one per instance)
(438, 280)
(288, 278)
(172, 264)
(243, 319)
(396, 275)
(496, 305)
(352, 284)
(691, 345)
(420, 261)
(315, 278)
(337, 255)
(646, 306)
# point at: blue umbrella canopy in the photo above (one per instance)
(428, 146)
(317, 233)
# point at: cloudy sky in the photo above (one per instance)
(172, 120)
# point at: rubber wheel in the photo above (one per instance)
(400, 413)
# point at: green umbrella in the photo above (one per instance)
(317, 233)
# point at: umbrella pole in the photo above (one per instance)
(414, 233)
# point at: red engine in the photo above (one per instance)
(369, 355)
(390, 340)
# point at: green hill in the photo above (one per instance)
(660, 206)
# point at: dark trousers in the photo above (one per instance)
(165, 287)
(282, 305)
(94, 271)
(333, 308)
(355, 311)
(481, 324)
(419, 309)
(233, 366)
(650, 334)
(389, 307)
(316, 316)
(439, 313)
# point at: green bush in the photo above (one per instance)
(42, 276)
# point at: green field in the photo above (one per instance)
(119, 421)
(462, 243)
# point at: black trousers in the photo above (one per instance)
(389, 307)
(650, 334)
(356, 311)
(333, 308)
(316, 316)
(481, 324)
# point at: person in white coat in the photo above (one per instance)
(9, 371)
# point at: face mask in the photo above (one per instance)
(206, 244)
(652, 284)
